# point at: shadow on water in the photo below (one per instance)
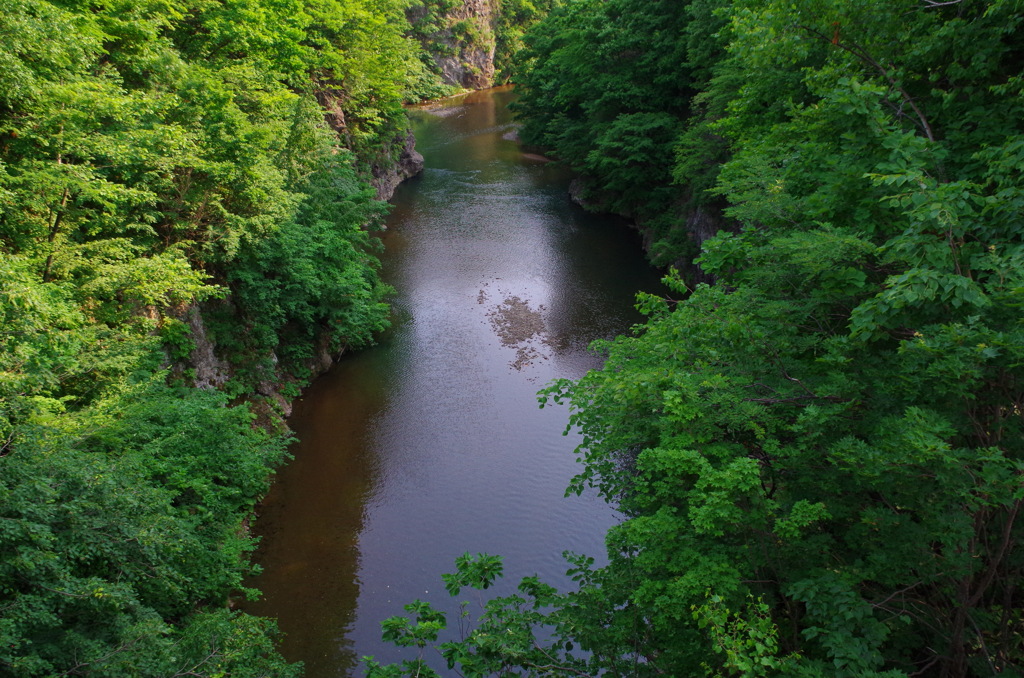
(431, 444)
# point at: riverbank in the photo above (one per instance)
(431, 443)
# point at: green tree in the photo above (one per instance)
(611, 89)
(117, 521)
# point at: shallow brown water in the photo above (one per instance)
(432, 443)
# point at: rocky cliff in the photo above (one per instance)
(390, 164)
(459, 35)
(394, 164)
(384, 167)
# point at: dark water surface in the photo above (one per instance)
(432, 443)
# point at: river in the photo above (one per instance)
(432, 443)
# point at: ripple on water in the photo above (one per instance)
(432, 443)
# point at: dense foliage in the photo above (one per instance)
(611, 90)
(162, 163)
(820, 457)
(174, 173)
(514, 19)
(116, 521)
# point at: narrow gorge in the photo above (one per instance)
(432, 444)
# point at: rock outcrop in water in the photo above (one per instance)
(391, 163)
(395, 164)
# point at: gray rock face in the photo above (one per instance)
(389, 170)
(211, 372)
(392, 164)
(464, 49)
(702, 224)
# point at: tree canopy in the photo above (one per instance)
(158, 160)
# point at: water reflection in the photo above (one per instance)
(432, 444)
